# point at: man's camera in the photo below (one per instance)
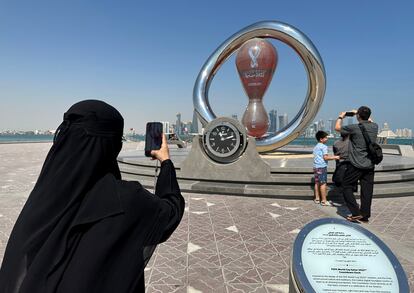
(350, 114)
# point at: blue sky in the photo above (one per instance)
(144, 57)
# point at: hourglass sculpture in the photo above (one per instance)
(256, 62)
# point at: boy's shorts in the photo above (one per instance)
(321, 175)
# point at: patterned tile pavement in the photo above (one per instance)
(224, 243)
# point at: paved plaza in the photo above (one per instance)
(223, 243)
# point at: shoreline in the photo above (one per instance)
(28, 141)
(299, 142)
(43, 141)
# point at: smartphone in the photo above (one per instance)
(153, 137)
(350, 114)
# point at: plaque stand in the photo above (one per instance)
(334, 255)
(249, 167)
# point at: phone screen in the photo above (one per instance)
(153, 137)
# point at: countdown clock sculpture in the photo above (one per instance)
(307, 52)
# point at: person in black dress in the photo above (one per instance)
(83, 229)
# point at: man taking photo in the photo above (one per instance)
(360, 165)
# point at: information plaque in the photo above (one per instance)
(333, 255)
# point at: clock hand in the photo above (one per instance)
(228, 137)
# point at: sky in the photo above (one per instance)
(143, 58)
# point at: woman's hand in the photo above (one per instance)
(163, 153)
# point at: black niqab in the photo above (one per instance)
(80, 215)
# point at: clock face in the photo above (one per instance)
(223, 141)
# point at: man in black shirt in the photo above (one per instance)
(360, 165)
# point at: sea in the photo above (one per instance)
(305, 141)
(308, 141)
(25, 138)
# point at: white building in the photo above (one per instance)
(405, 132)
(165, 126)
(283, 121)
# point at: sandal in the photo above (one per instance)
(354, 219)
(317, 201)
(326, 204)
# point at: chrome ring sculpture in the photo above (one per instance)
(310, 58)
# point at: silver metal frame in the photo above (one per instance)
(310, 58)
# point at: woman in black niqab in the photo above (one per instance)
(83, 229)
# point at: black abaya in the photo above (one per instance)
(83, 229)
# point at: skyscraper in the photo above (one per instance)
(283, 121)
(321, 124)
(331, 125)
(273, 121)
(188, 126)
(194, 124)
(178, 127)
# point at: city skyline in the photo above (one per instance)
(187, 126)
(144, 58)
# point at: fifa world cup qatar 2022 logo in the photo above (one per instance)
(256, 62)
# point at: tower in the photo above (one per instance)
(331, 125)
(194, 124)
(273, 120)
(283, 120)
(178, 127)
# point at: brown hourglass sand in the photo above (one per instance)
(256, 62)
